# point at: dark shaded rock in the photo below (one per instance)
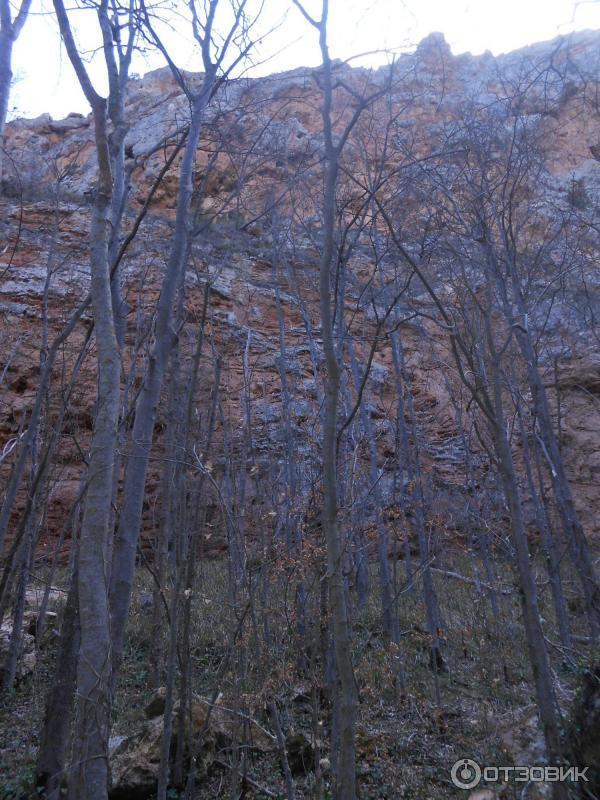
(584, 731)
(300, 753)
(156, 706)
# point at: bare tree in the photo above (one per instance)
(217, 65)
(9, 33)
(479, 357)
(346, 699)
(89, 775)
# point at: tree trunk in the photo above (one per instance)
(9, 33)
(345, 776)
(90, 767)
(548, 543)
(573, 530)
(538, 653)
(123, 562)
(59, 708)
(6, 46)
(540, 663)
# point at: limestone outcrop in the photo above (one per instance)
(263, 143)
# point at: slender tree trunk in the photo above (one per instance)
(573, 530)
(164, 769)
(9, 33)
(6, 46)
(538, 652)
(123, 562)
(16, 637)
(390, 623)
(418, 503)
(185, 695)
(345, 778)
(548, 544)
(52, 755)
(90, 769)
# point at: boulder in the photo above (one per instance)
(27, 656)
(135, 759)
(156, 706)
(135, 763)
(523, 739)
(27, 651)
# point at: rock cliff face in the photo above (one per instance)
(257, 220)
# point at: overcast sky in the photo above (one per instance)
(45, 81)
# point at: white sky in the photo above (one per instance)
(45, 80)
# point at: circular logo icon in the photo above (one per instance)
(465, 773)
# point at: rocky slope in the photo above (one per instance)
(263, 144)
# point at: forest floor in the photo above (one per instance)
(406, 742)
